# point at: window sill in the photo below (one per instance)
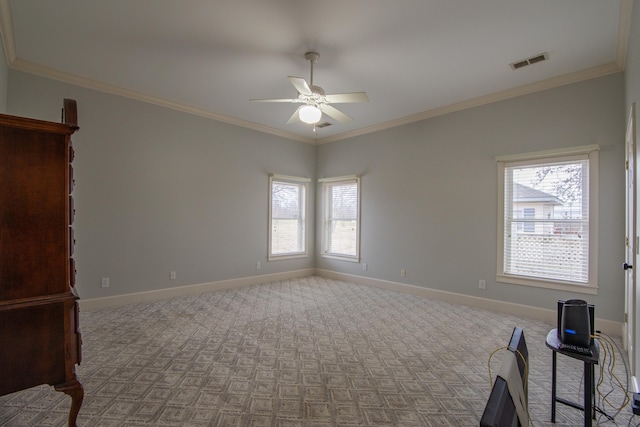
(286, 256)
(340, 257)
(537, 283)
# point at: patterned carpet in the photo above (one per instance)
(306, 352)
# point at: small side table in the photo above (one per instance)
(589, 382)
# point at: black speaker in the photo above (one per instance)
(575, 325)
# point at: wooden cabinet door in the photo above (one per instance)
(34, 222)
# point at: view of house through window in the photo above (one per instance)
(546, 219)
(287, 219)
(341, 228)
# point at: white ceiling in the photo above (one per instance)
(414, 58)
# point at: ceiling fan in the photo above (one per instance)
(314, 100)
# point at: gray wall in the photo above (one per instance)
(158, 190)
(632, 72)
(429, 190)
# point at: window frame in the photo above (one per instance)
(302, 183)
(590, 152)
(326, 183)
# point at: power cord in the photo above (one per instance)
(614, 381)
(608, 355)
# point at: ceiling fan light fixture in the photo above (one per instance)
(310, 114)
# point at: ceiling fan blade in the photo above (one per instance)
(339, 98)
(295, 117)
(301, 85)
(335, 113)
(276, 100)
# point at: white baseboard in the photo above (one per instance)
(607, 326)
(159, 294)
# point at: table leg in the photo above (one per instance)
(553, 387)
(588, 393)
(75, 390)
(593, 389)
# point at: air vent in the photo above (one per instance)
(529, 61)
(323, 125)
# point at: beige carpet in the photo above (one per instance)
(306, 352)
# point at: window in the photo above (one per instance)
(287, 217)
(547, 228)
(341, 218)
(529, 213)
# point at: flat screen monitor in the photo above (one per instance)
(500, 410)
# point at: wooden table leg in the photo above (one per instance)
(76, 391)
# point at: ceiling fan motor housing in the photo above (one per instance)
(312, 56)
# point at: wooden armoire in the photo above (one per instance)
(39, 334)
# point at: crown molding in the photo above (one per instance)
(13, 62)
(624, 29)
(55, 74)
(565, 79)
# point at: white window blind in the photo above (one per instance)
(287, 217)
(341, 218)
(548, 219)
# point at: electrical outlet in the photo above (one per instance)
(482, 284)
(364, 266)
(105, 282)
(258, 265)
(173, 275)
(403, 273)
